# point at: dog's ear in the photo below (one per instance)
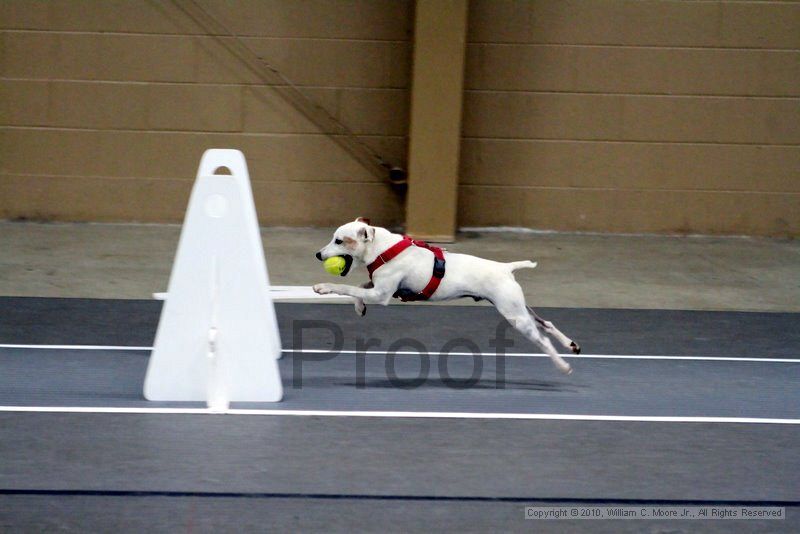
(366, 234)
(362, 219)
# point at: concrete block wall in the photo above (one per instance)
(107, 106)
(633, 116)
(590, 115)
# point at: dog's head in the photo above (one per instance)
(351, 241)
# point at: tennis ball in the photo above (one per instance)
(334, 265)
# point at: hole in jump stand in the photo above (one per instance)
(223, 170)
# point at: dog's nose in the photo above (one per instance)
(319, 256)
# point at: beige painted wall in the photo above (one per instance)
(633, 116)
(599, 115)
(107, 106)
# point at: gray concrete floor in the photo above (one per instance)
(611, 271)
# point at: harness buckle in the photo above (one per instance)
(438, 267)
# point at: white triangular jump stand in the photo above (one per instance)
(217, 339)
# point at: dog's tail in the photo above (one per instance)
(526, 264)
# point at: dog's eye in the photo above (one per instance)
(338, 241)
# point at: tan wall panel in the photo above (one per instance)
(371, 111)
(21, 14)
(637, 22)
(24, 103)
(630, 211)
(633, 70)
(325, 204)
(41, 55)
(93, 199)
(336, 63)
(195, 107)
(106, 154)
(176, 155)
(98, 106)
(90, 15)
(149, 200)
(630, 165)
(632, 118)
(364, 111)
(128, 106)
(115, 101)
(266, 109)
(76, 104)
(307, 62)
(311, 159)
(489, 206)
(666, 211)
(355, 19)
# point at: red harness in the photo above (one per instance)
(438, 268)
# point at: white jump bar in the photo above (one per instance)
(287, 293)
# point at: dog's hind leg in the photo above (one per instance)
(510, 302)
(550, 328)
(526, 326)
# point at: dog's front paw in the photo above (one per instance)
(361, 308)
(323, 289)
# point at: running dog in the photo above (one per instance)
(413, 270)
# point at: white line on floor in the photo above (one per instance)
(437, 353)
(75, 347)
(402, 415)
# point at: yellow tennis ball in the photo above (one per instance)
(334, 265)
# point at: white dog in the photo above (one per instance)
(410, 270)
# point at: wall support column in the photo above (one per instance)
(440, 34)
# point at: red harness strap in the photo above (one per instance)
(400, 246)
(389, 254)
